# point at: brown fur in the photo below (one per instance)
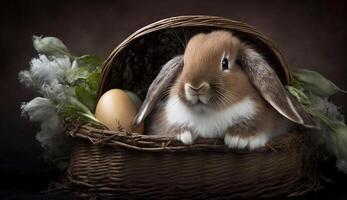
(202, 60)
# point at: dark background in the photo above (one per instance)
(311, 34)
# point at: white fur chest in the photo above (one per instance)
(211, 124)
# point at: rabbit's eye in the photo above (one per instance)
(225, 64)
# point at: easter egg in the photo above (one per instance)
(116, 107)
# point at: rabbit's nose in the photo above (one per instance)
(201, 89)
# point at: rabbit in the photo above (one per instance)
(223, 88)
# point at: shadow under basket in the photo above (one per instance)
(129, 165)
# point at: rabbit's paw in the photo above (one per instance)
(185, 137)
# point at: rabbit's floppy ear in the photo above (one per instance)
(266, 81)
(164, 79)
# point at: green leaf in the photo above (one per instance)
(341, 142)
(76, 105)
(89, 61)
(316, 83)
(335, 125)
(77, 74)
(86, 97)
(50, 46)
(93, 81)
(74, 110)
(299, 94)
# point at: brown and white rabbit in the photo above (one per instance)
(220, 88)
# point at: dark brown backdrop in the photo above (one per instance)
(312, 34)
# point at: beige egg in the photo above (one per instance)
(116, 106)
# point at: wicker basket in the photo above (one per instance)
(129, 165)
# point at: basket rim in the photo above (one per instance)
(194, 21)
(157, 143)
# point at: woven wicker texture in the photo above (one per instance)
(130, 165)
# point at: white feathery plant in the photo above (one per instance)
(68, 87)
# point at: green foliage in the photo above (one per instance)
(86, 96)
(89, 62)
(75, 95)
(74, 110)
(313, 90)
(311, 86)
(50, 46)
(316, 83)
(299, 94)
(93, 80)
